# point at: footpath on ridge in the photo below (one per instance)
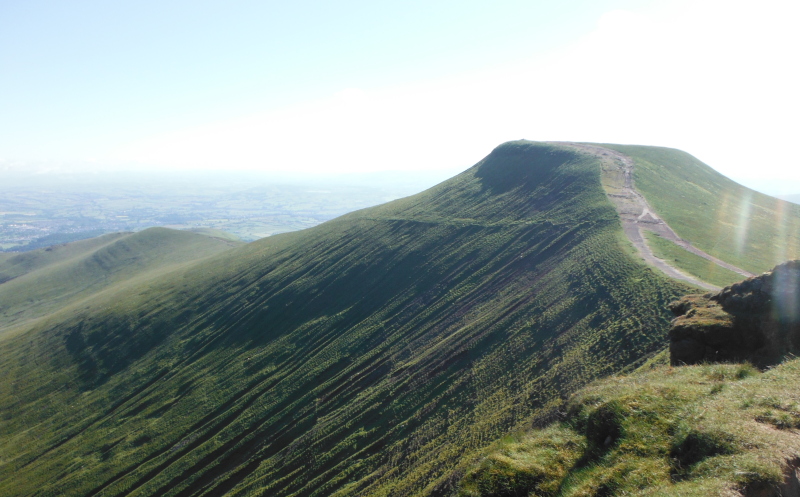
(637, 215)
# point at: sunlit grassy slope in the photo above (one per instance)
(689, 431)
(36, 283)
(13, 265)
(690, 263)
(215, 233)
(366, 356)
(736, 224)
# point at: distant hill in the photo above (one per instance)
(369, 355)
(791, 198)
(39, 282)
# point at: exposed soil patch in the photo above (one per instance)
(637, 215)
(790, 487)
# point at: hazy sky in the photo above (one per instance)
(310, 86)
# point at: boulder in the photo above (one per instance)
(756, 320)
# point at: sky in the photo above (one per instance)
(311, 88)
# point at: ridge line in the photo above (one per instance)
(636, 215)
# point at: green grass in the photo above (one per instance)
(689, 431)
(13, 265)
(729, 221)
(37, 283)
(215, 233)
(690, 263)
(366, 356)
(375, 354)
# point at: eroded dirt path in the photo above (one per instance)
(637, 215)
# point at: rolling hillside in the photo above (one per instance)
(370, 355)
(40, 282)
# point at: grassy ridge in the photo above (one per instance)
(14, 265)
(729, 221)
(34, 284)
(367, 356)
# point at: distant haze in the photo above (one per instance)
(44, 207)
(412, 86)
(791, 198)
(71, 178)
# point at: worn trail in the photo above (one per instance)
(637, 215)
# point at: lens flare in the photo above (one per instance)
(782, 229)
(786, 292)
(721, 228)
(744, 222)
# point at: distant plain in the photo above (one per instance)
(42, 210)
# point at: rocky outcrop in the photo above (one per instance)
(756, 320)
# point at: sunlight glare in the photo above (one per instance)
(744, 222)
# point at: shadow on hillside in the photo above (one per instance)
(521, 164)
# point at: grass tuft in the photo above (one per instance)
(673, 438)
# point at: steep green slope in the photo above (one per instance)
(365, 356)
(736, 224)
(33, 284)
(713, 429)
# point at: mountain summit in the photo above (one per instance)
(376, 353)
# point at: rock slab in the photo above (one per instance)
(756, 320)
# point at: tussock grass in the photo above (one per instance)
(693, 431)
